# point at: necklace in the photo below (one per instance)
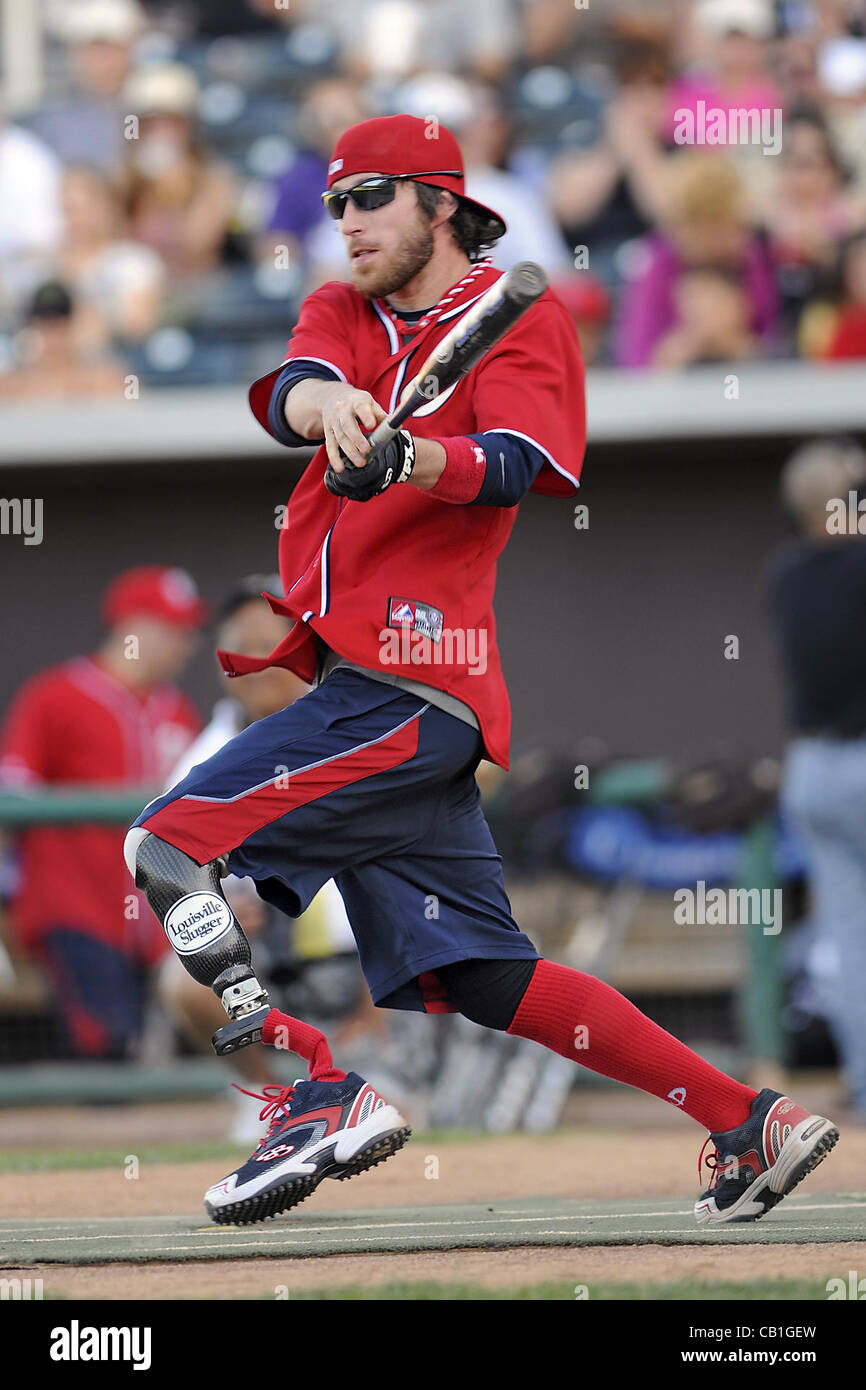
(403, 327)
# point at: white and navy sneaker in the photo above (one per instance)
(318, 1129)
(763, 1159)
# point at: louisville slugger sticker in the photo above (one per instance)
(197, 920)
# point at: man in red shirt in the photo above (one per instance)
(388, 563)
(111, 718)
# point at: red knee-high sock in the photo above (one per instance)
(582, 1018)
(283, 1031)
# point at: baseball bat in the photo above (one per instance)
(474, 333)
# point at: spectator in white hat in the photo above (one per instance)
(474, 112)
(179, 199)
(841, 68)
(392, 39)
(730, 73)
(86, 123)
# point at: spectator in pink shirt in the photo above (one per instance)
(705, 228)
(732, 41)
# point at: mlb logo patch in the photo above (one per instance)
(401, 613)
(334, 165)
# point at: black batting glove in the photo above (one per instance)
(393, 463)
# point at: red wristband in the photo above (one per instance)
(464, 471)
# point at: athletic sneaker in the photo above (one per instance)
(759, 1162)
(318, 1129)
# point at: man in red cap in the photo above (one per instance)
(111, 718)
(388, 564)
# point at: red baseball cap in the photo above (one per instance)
(158, 590)
(404, 145)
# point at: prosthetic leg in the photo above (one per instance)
(203, 930)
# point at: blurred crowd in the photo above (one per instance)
(159, 201)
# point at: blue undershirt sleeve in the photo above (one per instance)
(292, 373)
(513, 464)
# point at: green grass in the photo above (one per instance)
(685, 1290)
(62, 1159)
(44, 1160)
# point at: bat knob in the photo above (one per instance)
(526, 281)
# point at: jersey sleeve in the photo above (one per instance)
(323, 334)
(532, 386)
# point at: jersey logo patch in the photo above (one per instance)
(418, 617)
(401, 614)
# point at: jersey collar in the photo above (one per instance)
(454, 302)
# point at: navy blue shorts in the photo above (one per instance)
(364, 783)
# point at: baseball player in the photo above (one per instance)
(388, 562)
(114, 716)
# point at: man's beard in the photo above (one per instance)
(404, 264)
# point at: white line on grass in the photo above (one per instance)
(289, 1231)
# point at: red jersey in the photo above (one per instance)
(74, 724)
(849, 338)
(357, 573)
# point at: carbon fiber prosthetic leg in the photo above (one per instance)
(203, 931)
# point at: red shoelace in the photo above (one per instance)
(276, 1105)
(712, 1162)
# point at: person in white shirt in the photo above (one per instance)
(31, 218)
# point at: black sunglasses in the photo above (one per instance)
(375, 193)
